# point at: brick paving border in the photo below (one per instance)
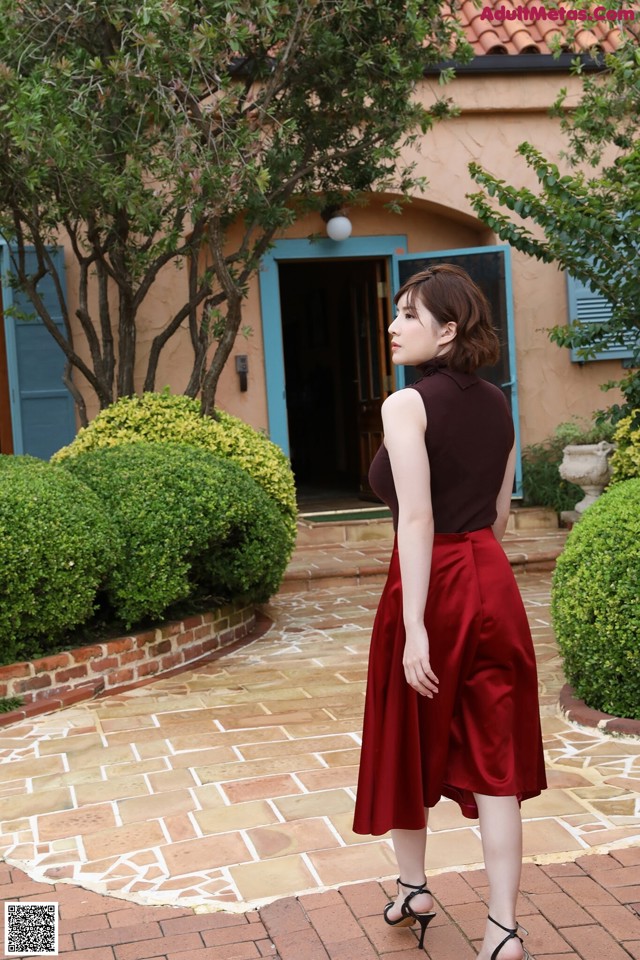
(577, 711)
(160, 654)
(587, 909)
(126, 659)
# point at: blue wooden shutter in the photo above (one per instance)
(42, 409)
(588, 306)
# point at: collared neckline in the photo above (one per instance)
(439, 365)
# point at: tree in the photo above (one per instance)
(140, 132)
(591, 223)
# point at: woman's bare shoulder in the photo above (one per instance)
(404, 405)
(404, 399)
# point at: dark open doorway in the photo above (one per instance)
(6, 435)
(335, 315)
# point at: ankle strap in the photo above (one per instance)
(413, 886)
(512, 930)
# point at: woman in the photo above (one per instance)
(452, 701)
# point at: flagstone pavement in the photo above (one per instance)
(231, 786)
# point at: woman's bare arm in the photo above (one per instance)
(405, 422)
(503, 503)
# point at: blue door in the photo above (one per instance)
(42, 409)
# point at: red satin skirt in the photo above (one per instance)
(481, 732)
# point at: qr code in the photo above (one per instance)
(30, 928)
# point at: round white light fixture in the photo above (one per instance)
(339, 227)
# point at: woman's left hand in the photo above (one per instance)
(417, 667)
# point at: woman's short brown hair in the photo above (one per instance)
(449, 294)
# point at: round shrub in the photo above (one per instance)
(190, 524)
(56, 543)
(625, 460)
(595, 602)
(164, 417)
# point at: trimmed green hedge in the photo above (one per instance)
(190, 523)
(595, 602)
(55, 545)
(164, 417)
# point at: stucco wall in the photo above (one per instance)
(497, 113)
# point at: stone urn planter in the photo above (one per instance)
(587, 465)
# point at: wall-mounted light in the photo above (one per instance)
(242, 369)
(339, 226)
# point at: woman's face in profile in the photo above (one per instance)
(416, 336)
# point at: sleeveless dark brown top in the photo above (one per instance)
(469, 436)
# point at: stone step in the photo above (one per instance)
(323, 565)
(373, 527)
(532, 518)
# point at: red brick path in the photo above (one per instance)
(586, 910)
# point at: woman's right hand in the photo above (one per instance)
(417, 668)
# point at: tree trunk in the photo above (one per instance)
(223, 351)
(106, 332)
(126, 346)
(78, 399)
(231, 292)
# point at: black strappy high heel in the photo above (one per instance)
(407, 915)
(511, 935)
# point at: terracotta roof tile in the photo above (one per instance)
(616, 35)
(510, 31)
(489, 42)
(550, 35)
(588, 39)
(520, 37)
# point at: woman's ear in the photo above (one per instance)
(448, 331)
